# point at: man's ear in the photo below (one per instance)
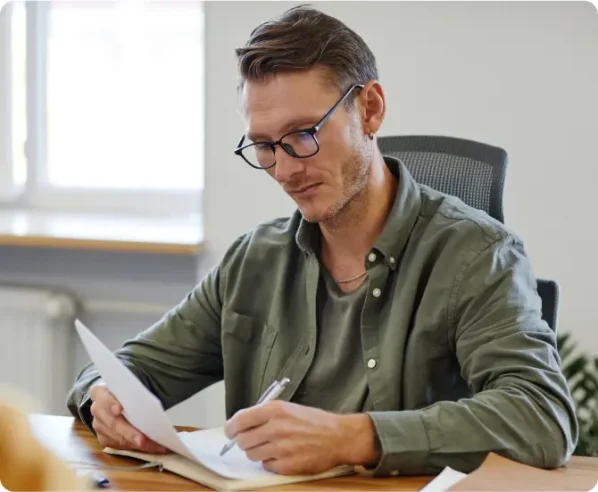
(373, 105)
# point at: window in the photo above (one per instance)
(12, 103)
(107, 105)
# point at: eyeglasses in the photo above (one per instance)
(300, 143)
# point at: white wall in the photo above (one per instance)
(521, 75)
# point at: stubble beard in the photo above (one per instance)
(352, 203)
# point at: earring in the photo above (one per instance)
(371, 136)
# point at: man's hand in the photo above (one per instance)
(294, 439)
(112, 428)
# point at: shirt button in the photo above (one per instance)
(376, 292)
(392, 260)
(372, 363)
(372, 257)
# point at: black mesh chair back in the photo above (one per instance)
(549, 292)
(472, 171)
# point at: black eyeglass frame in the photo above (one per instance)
(311, 130)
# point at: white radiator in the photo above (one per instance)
(37, 344)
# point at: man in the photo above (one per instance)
(407, 322)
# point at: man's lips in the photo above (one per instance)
(298, 191)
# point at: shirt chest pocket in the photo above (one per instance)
(247, 344)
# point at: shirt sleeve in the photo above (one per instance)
(175, 358)
(521, 408)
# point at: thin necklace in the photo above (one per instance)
(347, 280)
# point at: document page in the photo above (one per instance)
(444, 481)
(206, 445)
(140, 406)
(146, 413)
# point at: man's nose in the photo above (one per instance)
(286, 166)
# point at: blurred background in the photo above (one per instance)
(119, 187)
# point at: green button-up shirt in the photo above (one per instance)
(457, 357)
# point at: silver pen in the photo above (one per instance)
(273, 392)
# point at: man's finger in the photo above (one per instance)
(98, 390)
(106, 441)
(272, 431)
(101, 413)
(283, 466)
(104, 409)
(152, 447)
(144, 443)
(104, 414)
(118, 427)
(251, 438)
(263, 452)
(131, 434)
(100, 393)
(106, 433)
(249, 418)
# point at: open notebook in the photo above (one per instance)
(233, 471)
(195, 455)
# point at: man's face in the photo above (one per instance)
(320, 185)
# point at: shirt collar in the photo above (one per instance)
(399, 224)
(403, 214)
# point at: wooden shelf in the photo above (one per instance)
(161, 235)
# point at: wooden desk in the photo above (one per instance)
(72, 442)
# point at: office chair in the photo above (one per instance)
(549, 293)
(472, 171)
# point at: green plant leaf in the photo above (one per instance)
(581, 373)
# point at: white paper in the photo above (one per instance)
(145, 412)
(206, 445)
(444, 481)
(141, 407)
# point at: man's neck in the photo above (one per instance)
(347, 238)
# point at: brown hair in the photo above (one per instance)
(303, 38)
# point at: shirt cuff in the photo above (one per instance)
(85, 414)
(404, 442)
